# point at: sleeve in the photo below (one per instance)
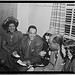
(36, 57)
(4, 36)
(22, 48)
(45, 46)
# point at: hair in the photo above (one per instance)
(71, 46)
(46, 34)
(32, 26)
(58, 39)
(8, 21)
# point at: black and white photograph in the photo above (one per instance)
(37, 37)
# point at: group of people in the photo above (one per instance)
(51, 50)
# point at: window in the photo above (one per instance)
(58, 17)
(70, 20)
(63, 19)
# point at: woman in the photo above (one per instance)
(11, 42)
(46, 50)
(70, 56)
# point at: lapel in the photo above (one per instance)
(28, 48)
(32, 45)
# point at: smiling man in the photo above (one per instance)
(32, 45)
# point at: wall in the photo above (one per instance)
(40, 15)
(22, 15)
(35, 14)
(6, 10)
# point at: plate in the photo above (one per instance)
(21, 63)
(16, 55)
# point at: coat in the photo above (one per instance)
(31, 52)
(69, 65)
(55, 61)
(13, 45)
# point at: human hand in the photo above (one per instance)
(27, 62)
(21, 62)
(42, 53)
(24, 62)
(14, 53)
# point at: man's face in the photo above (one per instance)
(53, 45)
(32, 33)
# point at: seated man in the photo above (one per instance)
(56, 60)
(31, 46)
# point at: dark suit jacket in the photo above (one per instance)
(31, 52)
